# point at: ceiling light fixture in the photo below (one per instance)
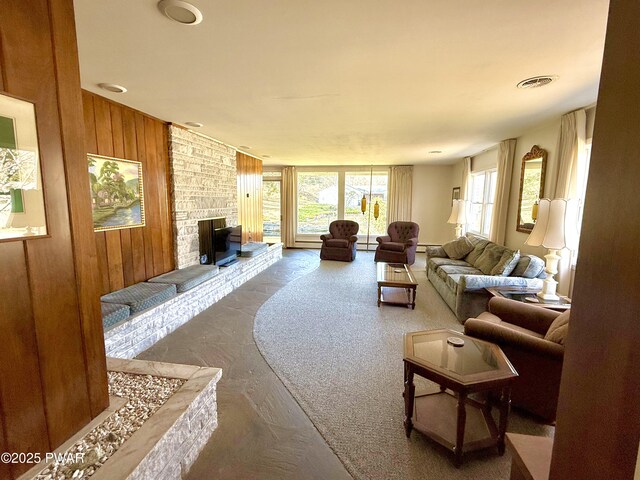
(244, 147)
(181, 12)
(539, 81)
(435, 151)
(194, 124)
(112, 87)
(266, 156)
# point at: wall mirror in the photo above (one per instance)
(531, 187)
(22, 212)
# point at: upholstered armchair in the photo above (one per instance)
(532, 338)
(341, 241)
(400, 245)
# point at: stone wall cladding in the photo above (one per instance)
(139, 332)
(203, 185)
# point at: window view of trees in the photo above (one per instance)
(271, 210)
(482, 196)
(317, 201)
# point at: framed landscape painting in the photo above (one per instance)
(117, 195)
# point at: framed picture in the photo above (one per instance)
(455, 194)
(22, 209)
(117, 194)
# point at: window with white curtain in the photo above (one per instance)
(482, 194)
(583, 174)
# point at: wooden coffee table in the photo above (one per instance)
(454, 420)
(396, 284)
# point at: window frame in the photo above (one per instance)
(485, 200)
(341, 170)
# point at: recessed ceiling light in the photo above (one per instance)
(435, 151)
(539, 81)
(181, 12)
(194, 124)
(244, 147)
(266, 156)
(112, 87)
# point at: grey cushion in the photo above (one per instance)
(507, 263)
(113, 313)
(454, 269)
(529, 266)
(187, 278)
(141, 295)
(453, 280)
(489, 258)
(459, 248)
(435, 262)
(479, 245)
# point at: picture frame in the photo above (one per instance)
(455, 194)
(22, 200)
(117, 193)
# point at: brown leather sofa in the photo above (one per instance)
(532, 338)
(341, 241)
(400, 245)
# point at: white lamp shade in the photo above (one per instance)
(458, 213)
(555, 226)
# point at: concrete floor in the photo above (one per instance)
(262, 432)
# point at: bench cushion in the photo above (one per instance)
(113, 313)
(141, 295)
(187, 278)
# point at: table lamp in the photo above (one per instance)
(555, 229)
(458, 216)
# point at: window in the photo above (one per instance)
(271, 214)
(482, 188)
(582, 175)
(317, 201)
(357, 184)
(324, 196)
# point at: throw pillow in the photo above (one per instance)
(489, 258)
(529, 266)
(458, 249)
(479, 246)
(559, 329)
(506, 264)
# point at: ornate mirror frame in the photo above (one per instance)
(536, 155)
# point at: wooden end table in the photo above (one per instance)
(527, 295)
(477, 366)
(396, 284)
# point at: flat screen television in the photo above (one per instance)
(226, 244)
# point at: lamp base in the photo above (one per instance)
(549, 284)
(458, 230)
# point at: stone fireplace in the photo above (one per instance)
(203, 185)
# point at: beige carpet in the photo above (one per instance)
(341, 358)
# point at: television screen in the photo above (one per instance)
(226, 244)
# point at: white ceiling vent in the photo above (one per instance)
(535, 82)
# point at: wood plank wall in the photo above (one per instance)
(249, 170)
(133, 255)
(52, 363)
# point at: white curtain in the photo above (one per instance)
(466, 173)
(289, 206)
(506, 152)
(400, 186)
(571, 149)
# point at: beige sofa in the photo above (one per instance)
(462, 281)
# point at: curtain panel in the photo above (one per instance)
(289, 206)
(400, 191)
(506, 153)
(571, 149)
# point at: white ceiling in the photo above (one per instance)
(331, 82)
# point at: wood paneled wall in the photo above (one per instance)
(598, 423)
(133, 255)
(52, 362)
(249, 171)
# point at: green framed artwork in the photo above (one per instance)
(117, 194)
(22, 208)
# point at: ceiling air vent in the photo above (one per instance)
(535, 82)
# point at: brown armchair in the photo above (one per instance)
(532, 338)
(400, 245)
(341, 241)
